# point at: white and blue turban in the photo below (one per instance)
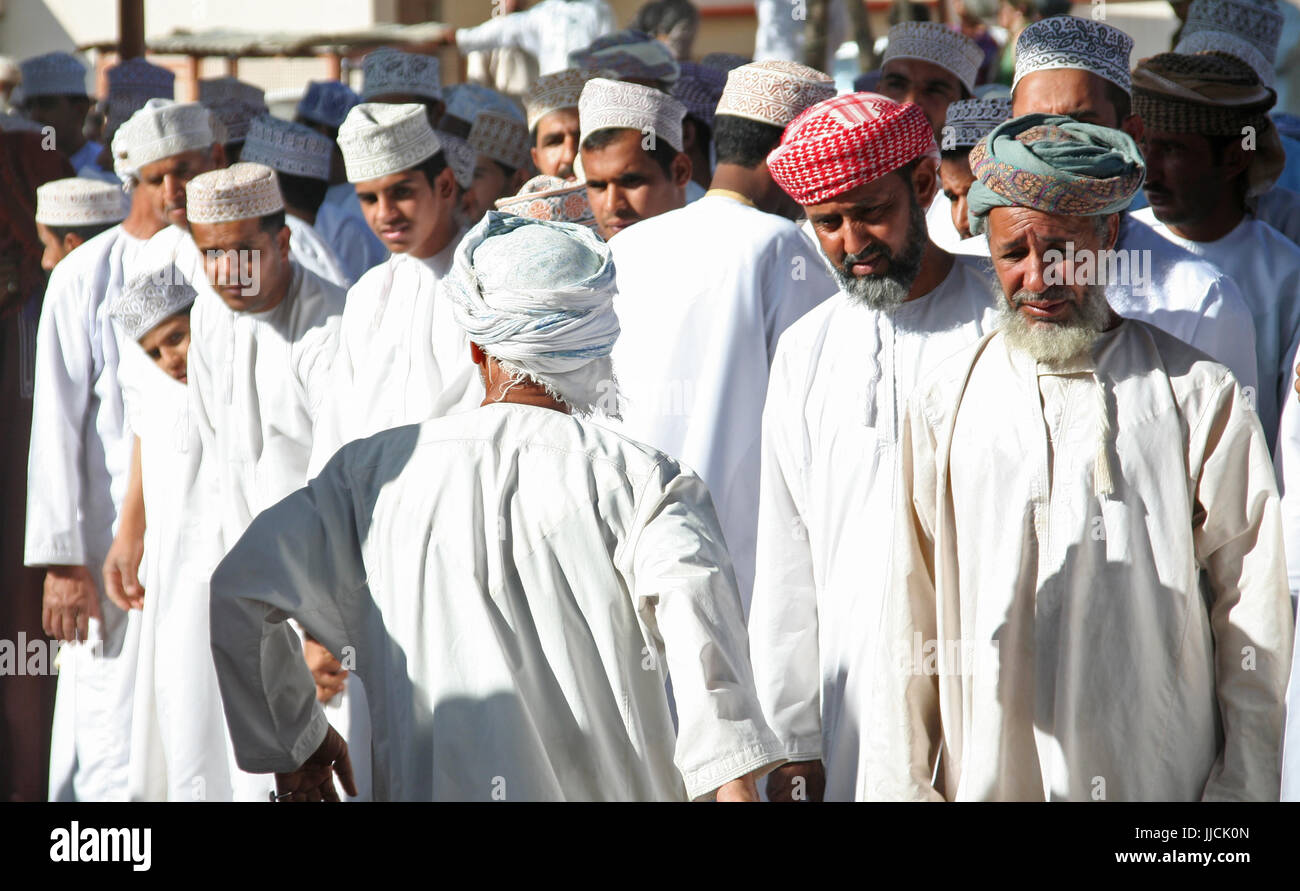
(538, 297)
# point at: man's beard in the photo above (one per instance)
(888, 290)
(1056, 343)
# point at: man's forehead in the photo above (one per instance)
(920, 71)
(1070, 91)
(225, 231)
(559, 119)
(172, 162)
(865, 195)
(1016, 224)
(401, 177)
(623, 153)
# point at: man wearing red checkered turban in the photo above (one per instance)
(864, 168)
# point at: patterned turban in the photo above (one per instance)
(1054, 164)
(842, 143)
(1212, 94)
(538, 297)
(553, 199)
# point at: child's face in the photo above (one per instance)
(168, 344)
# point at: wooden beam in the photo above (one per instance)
(191, 78)
(130, 29)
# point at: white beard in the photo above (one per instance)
(1055, 343)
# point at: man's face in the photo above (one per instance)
(625, 185)
(245, 264)
(1183, 184)
(1071, 92)
(55, 249)
(874, 237)
(66, 114)
(557, 143)
(930, 86)
(489, 185)
(168, 344)
(404, 210)
(162, 184)
(956, 178)
(1053, 310)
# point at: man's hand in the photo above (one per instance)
(122, 571)
(328, 673)
(314, 781)
(69, 602)
(740, 789)
(1296, 384)
(797, 781)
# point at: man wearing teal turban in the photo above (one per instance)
(1090, 536)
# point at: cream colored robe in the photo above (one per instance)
(1043, 641)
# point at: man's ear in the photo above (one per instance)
(444, 184)
(1112, 231)
(1132, 125)
(476, 354)
(682, 168)
(925, 181)
(218, 156)
(282, 242)
(72, 240)
(689, 134)
(1236, 159)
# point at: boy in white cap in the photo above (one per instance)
(70, 212)
(705, 292)
(130, 85)
(609, 561)
(631, 150)
(81, 451)
(397, 78)
(54, 94)
(300, 158)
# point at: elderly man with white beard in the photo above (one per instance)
(1088, 595)
(863, 167)
(514, 582)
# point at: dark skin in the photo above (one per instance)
(956, 177)
(66, 114)
(930, 86)
(877, 214)
(697, 149)
(1018, 239)
(1074, 93)
(1200, 197)
(55, 248)
(556, 147)
(231, 249)
(158, 199)
(314, 780)
(408, 213)
(756, 184)
(626, 185)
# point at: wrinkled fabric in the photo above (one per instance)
(1044, 643)
(514, 584)
(840, 381)
(311, 252)
(699, 333)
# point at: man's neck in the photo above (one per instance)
(77, 145)
(755, 185)
(441, 237)
(279, 291)
(1226, 216)
(936, 263)
(141, 222)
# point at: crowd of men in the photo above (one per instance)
(690, 432)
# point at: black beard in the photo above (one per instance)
(888, 290)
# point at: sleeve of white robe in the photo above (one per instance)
(795, 282)
(299, 558)
(1227, 331)
(327, 437)
(783, 629)
(683, 583)
(60, 401)
(1286, 462)
(1291, 738)
(1238, 538)
(499, 32)
(904, 705)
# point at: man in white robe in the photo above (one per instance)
(339, 220)
(1087, 596)
(968, 121)
(631, 153)
(549, 31)
(54, 95)
(863, 167)
(502, 163)
(81, 451)
(300, 158)
(1078, 67)
(1199, 175)
(515, 582)
(389, 370)
(700, 314)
